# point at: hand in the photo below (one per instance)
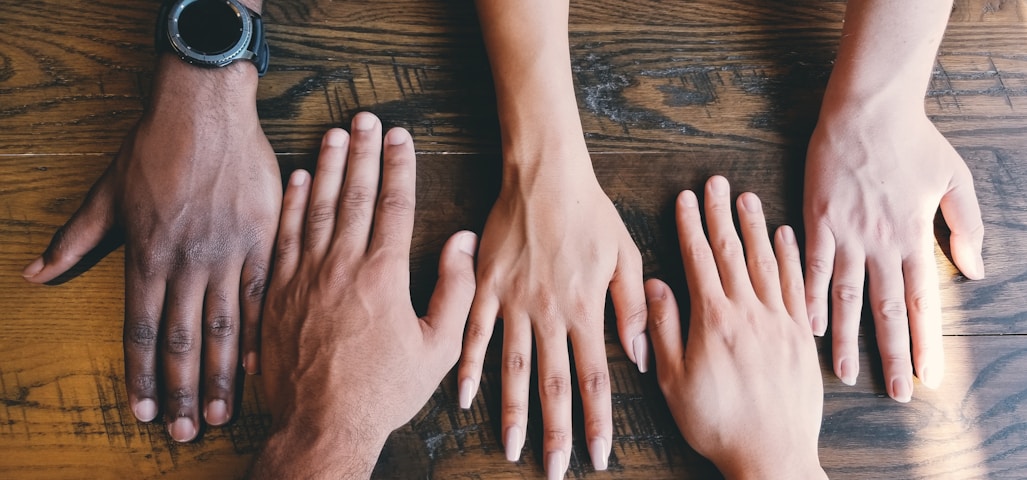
(196, 191)
(746, 392)
(550, 250)
(874, 182)
(346, 360)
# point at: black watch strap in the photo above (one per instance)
(258, 49)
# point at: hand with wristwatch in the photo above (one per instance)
(195, 194)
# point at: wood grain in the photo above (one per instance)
(670, 92)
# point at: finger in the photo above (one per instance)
(251, 295)
(924, 305)
(220, 348)
(394, 216)
(144, 296)
(516, 380)
(76, 238)
(700, 268)
(628, 296)
(790, 265)
(759, 256)
(484, 309)
(555, 397)
(181, 356)
(290, 228)
(963, 216)
(665, 329)
(846, 308)
(820, 250)
(324, 197)
(888, 303)
(356, 207)
(451, 301)
(727, 249)
(594, 383)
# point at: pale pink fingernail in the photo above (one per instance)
(466, 393)
(847, 372)
(513, 441)
(787, 235)
(364, 121)
(555, 465)
(688, 199)
(901, 389)
(250, 364)
(33, 268)
(216, 412)
(640, 347)
(182, 429)
(468, 243)
(597, 450)
(145, 410)
(718, 185)
(751, 202)
(298, 178)
(397, 136)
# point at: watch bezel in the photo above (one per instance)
(238, 51)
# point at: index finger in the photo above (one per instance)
(394, 215)
(700, 268)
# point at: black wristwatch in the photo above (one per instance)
(212, 33)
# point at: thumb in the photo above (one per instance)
(963, 216)
(83, 232)
(451, 301)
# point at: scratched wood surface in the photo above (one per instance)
(670, 92)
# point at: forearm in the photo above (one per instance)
(529, 53)
(887, 53)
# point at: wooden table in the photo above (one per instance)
(670, 92)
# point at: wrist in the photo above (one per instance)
(311, 448)
(805, 468)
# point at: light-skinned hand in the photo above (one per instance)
(746, 390)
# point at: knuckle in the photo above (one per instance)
(847, 294)
(476, 333)
(184, 396)
(555, 386)
(515, 364)
(764, 264)
(179, 341)
(394, 203)
(892, 310)
(556, 435)
(514, 410)
(921, 302)
(698, 252)
(729, 247)
(819, 265)
(595, 383)
(661, 320)
(256, 286)
(320, 214)
(143, 383)
(221, 326)
(356, 197)
(141, 333)
(220, 382)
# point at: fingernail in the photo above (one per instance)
(751, 202)
(901, 389)
(926, 379)
(847, 372)
(466, 393)
(364, 121)
(35, 267)
(640, 347)
(787, 235)
(145, 410)
(688, 199)
(654, 291)
(299, 177)
(555, 465)
(817, 324)
(216, 413)
(250, 363)
(182, 430)
(336, 137)
(397, 136)
(513, 442)
(468, 243)
(597, 450)
(979, 269)
(718, 185)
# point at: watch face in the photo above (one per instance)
(210, 32)
(210, 27)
